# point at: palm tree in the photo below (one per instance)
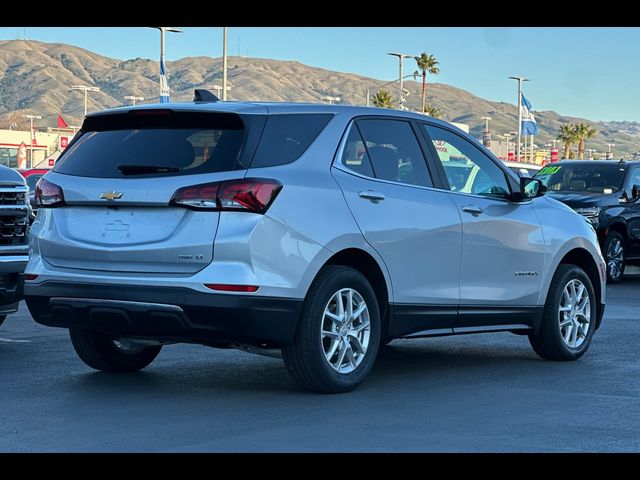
(426, 64)
(432, 111)
(568, 136)
(584, 132)
(382, 99)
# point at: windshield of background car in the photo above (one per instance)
(582, 178)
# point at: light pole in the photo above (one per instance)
(218, 89)
(609, 151)
(331, 99)
(414, 75)
(164, 86)
(507, 137)
(519, 144)
(224, 63)
(31, 119)
(133, 98)
(85, 89)
(401, 57)
(486, 135)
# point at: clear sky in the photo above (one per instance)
(589, 72)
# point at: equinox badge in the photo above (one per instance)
(111, 195)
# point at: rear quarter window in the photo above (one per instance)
(287, 136)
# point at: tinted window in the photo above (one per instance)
(143, 145)
(568, 177)
(394, 151)
(467, 168)
(634, 179)
(354, 155)
(287, 137)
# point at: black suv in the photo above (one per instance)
(605, 192)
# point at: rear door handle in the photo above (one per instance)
(472, 210)
(371, 195)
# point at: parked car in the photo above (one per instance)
(605, 192)
(14, 247)
(32, 176)
(523, 169)
(320, 232)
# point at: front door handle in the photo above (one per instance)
(475, 211)
(371, 195)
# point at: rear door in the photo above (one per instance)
(414, 227)
(632, 213)
(118, 178)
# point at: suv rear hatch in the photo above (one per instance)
(118, 177)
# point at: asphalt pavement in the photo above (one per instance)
(475, 393)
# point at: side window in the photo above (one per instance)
(354, 155)
(634, 179)
(394, 151)
(467, 168)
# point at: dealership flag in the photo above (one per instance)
(529, 125)
(164, 86)
(61, 122)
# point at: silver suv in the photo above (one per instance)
(318, 231)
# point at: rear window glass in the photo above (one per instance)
(174, 143)
(286, 137)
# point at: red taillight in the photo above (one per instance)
(30, 277)
(246, 195)
(223, 287)
(48, 195)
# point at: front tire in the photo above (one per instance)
(338, 335)
(100, 352)
(614, 250)
(569, 317)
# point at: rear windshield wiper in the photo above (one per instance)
(143, 169)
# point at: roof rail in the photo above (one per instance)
(204, 96)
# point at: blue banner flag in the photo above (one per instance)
(164, 86)
(529, 125)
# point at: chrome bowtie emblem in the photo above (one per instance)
(111, 195)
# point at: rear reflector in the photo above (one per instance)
(30, 276)
(223, 287)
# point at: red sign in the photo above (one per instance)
(554, 155)
(511, 156)
(22, 156)
(51, 162)
(63, 141)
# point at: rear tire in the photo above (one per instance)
(568, 322)
(333, 352)
(100, 352)
(614, 251)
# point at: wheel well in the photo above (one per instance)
(621, 229)
(369, 267)
(583, 259)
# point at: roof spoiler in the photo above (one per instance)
(204, 96)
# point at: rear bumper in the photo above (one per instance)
(172, 314)
(11, 288)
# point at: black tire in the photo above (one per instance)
(2, 319)
(548, 341)
(614, 238)
(305, 357)
(98, 351)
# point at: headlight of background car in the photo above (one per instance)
(590, 213)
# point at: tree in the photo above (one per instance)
(382, 99)
(432, 111)
(583, 132)
(16, 121)
(567, 136)
(426, 64)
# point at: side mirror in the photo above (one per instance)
(531, 188)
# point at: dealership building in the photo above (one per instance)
(18, 149)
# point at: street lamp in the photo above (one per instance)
(519, 144)
(164, 86)
(133, 98)
(85, 89)
(331, 99)
(414, 75)
(609, 151)
(31, 119)
(401, 57)
(486, 135)
(507, 137)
